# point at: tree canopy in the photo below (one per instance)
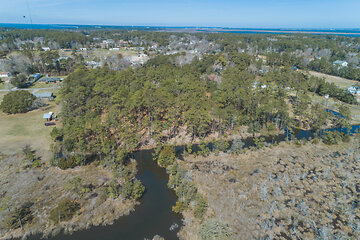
(17, 102)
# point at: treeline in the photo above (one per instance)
(65, 39)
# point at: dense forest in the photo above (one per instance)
(110, 114)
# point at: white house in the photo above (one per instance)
(4, 74)
(46, 49)
(341, 63)
(354, 90)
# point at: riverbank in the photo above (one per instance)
(288, 191)
(45, 187)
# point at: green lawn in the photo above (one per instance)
(44, 85)
(23, 129)
(338, 81)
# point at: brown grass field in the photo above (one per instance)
(18, 130)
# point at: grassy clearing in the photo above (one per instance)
(28, 128)
(338, 81)
(332, 104)
(44, 85)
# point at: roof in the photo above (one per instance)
(47, 115)
(43, 95)
(340, 62)
(49, 79)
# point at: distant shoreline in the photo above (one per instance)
(189, 29)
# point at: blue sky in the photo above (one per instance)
(224, 13)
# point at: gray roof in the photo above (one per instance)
(339, 62)
(47, 115)
(43, 95)
(49, 79)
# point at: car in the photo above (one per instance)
(50, 124)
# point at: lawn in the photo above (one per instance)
(26, 129)
(332, 104)
(338, 81)
(44, 85)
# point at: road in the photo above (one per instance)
(28, 89)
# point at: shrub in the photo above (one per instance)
(332, 138)
(211, 229)
(64, 211)
(200, 206)
(19, 216)
(132, 189)
(17, 102)
(179, 207)
(30, 157)
(76, 186)
(221, 146)
(65, 163)
(166, 156)
(237, 146)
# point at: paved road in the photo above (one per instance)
(28, 89)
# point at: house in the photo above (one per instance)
(50, 80)
(354, 90)
(4, 74)
(35, 76)
(114, 49)
(340, 63)
(48, 95)
(48, 116)
(46, 49)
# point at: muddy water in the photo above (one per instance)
(152, 217)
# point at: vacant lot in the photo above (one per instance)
(338, 81)
(19, 130)
(285, 192)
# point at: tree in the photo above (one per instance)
(19, 81)
(17, 102)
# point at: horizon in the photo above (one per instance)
(184, 26)
(296, 14)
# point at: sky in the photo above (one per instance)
(196, 13)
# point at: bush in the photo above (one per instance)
(200, 206)
(19, 215)
(76, 186)
(30, 157)
(132, 189)
(332, 138)
(17, 102)
(64, 211)
(179, 207)
(211, 229)
(65, 163)
(166, 156)
(221, 146)
(237, 146)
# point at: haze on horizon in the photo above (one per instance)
(205, 13)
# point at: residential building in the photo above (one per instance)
(48, 95)
(340, 63)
